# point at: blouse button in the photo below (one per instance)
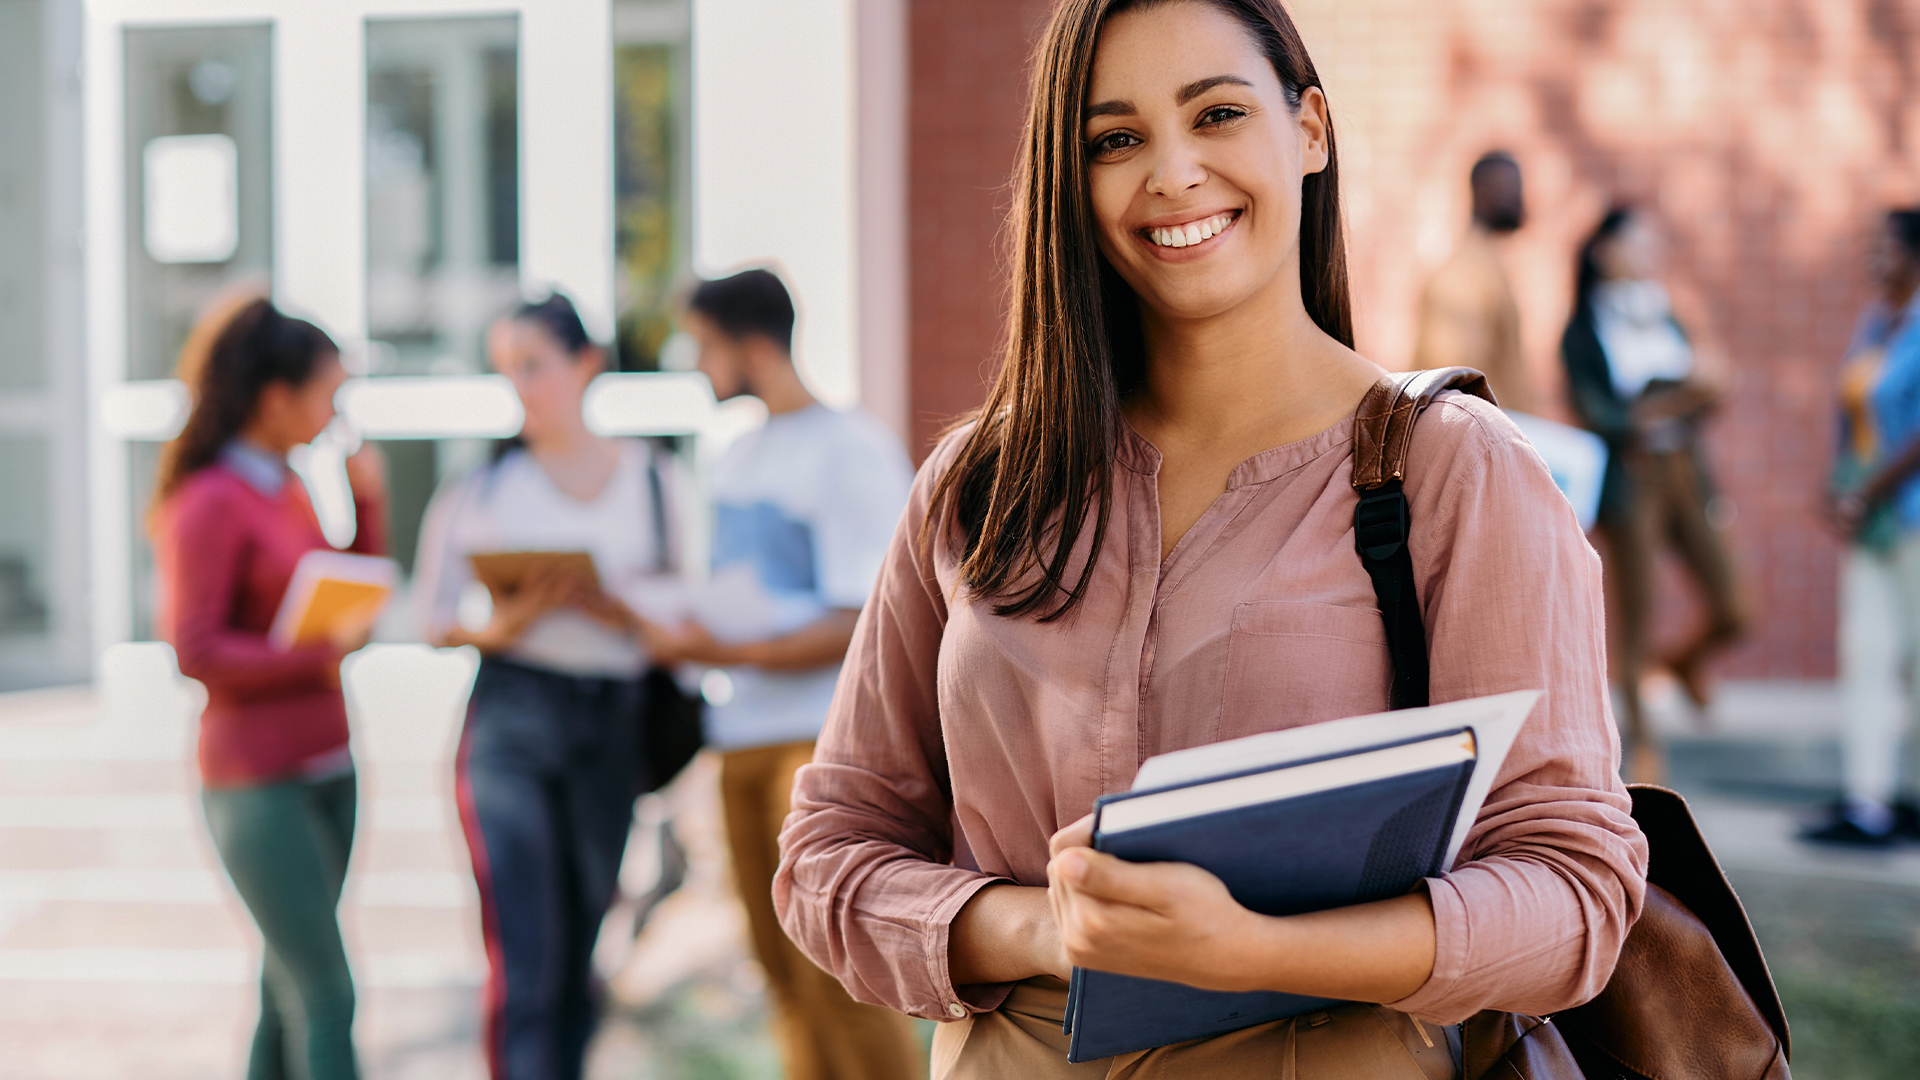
(957, 1010)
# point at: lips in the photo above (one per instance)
(1190, 233)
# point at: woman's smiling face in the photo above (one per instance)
(1194, 159)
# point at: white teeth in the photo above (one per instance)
(1179, 236)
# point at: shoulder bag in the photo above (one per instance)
(1691, 997)
(670, 718)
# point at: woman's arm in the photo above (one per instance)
(1007, 933)
(1553, 872)
(367, 476)
(866, 885)
(200, 555)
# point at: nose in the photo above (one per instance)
(1176, 169)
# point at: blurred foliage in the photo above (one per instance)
(706, 1030)
(646, 237)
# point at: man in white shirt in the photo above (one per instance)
(804, 509)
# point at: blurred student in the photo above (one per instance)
(1632, 378)
(549, 761)
(1468, 317)
(803, 511)
(1877, 503)
(230, 521)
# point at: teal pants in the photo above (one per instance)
(286, 845)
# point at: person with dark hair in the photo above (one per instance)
(549, 760)
(229, 523)
(1144, 541)
(1633, 380)
(803, 508)
(1468, 317)
(1876, 503)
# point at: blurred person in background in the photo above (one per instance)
(1468, 317)
(1876, 502)
(803, 511)
(1634, 380)
(230, 522)
(549, 759)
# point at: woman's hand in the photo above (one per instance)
(1170, 921)
(543, 590)
(1177, 922)
(688, 643)
(367, 473)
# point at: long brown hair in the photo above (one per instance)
(1039, 460)
(231, 355)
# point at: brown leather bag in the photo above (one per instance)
(1691, 997)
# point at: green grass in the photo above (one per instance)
(1845, 957)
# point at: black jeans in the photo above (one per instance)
(286, 845)
(547, 774)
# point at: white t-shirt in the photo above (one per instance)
(513, 505)
(1634, 320)
(804, 510)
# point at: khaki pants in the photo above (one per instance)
(1669, 506)
(1021, 1040)
(823, 1033)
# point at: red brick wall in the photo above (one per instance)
(1766, 135)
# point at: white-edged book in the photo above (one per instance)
(1310, 818)
(332, 594)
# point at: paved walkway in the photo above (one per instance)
(124, 952)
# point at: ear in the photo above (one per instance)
(1315, 130)
(593, 358)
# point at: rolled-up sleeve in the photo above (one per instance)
(1553, 874)
(866, 885)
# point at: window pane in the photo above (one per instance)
(21, 161)
(443, 188)
(199, 161)
(648, 192)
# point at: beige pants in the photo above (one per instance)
(823, 1033)
(1022, 1039)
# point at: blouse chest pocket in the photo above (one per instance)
(1292, 662)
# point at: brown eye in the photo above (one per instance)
(1221, 114)
(1112, 143)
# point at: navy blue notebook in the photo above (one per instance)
(1303, 836)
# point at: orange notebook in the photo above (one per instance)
(331, 592)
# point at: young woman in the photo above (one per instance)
(1143, 543)
(229, 524)
(1633, 378)
(549, 761)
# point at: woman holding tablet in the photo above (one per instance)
(549, 760)
(230, 523)
(1143, 542)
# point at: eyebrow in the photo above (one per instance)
(1121, 107)
(1200, 86)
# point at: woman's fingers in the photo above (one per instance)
(1078, 834)
(1148, 885)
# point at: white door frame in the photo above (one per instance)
(319, 249)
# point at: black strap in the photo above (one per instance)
(1381, 526)
(663, 558)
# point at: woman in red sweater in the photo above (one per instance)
(229, 523)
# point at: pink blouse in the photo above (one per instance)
(959, 740)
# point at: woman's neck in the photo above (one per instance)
(1263, 373)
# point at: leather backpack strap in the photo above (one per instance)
(1382, 432)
